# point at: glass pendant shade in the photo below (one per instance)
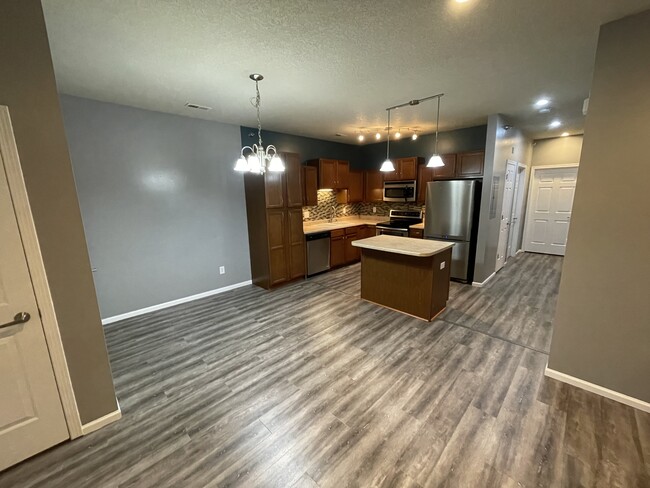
(387, 166)
(276, 164)
(435, 162)
(241, 164)
(254, 163)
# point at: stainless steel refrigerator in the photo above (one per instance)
(452, 209)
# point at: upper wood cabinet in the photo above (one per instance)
(470, 164)
(405, 169)
(448, 170)
(462, 165)
(293, 179)
(310, 184)
(354, 192)
(274, 189)
(332, 173)
(373, 186)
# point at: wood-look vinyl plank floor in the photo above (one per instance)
(309, 386)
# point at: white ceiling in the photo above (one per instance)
(334, 66)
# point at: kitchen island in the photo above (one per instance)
(405, 274)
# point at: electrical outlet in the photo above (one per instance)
(374, 209)
(222, 270)
(442, 265)
(305, 213)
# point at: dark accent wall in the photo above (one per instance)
(459, 140)
(306, 147)
(28, 88)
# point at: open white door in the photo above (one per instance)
(31, 415)
(506, 214)
(514, 239)
(549, 209)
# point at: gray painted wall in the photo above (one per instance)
(28, 88)
(601, 331)
(501, 145)
(161, 205)
(557, 150)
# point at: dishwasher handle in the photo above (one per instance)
(317, 235)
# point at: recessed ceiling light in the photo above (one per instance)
(414, 136)
(544, 110)
(360, 137)
(377, 135)
(398, 134)
(461, 1)
(542, 102)
(564, 134)
(555, 124)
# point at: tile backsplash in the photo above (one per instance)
(327, 200)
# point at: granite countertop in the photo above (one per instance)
(314, 226)
(403, 245)
(417, 226)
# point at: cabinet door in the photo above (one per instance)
(448, 170)
(416, 233)
(293, 175)
(337, 251)
(296, 244)
(274, 189)
(373, 186)
(352, 254)
(425, 175)
(310, 183)
(470, 164)
(277, 233)
(392, 175)
(327, 174)
(342, 174)
(355, 188)
(408, 168)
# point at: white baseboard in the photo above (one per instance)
(598, 390)
(160, 306)
(479, 284)
(519, 252)
(102, 421)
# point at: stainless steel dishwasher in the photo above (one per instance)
(318, 252)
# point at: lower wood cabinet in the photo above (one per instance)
(337, 248)
(286, 245)
(296, 267)
(416, 233)
(341, 249)
(352, 254)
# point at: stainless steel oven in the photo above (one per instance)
(399, 191)
(399, 223)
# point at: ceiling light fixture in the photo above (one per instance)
(414, 137)
(542, 102)
(387, 166)
(361, 137)
(555, 124)
(436, 161)
(377, 136)
(544, 110)
(565, 134)
(259, 160)
(398, 134)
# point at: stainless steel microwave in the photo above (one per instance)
(399, 191)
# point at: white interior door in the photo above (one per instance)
(31, 415)
(506, 214)
(514, 239)
(549, 211)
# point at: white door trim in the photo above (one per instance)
(38, 274)
(529, 200)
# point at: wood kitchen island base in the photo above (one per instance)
(414, 283)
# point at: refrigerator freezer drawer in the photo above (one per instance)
(460, 260)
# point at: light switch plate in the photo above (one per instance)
(442, 265)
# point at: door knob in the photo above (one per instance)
(19, 318)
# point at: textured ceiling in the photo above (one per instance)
(334, 66)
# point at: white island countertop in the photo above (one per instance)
(404, 245)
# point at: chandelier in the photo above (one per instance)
(258, 160)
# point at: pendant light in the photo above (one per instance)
(259, 160)
(436, 161)
(387, 166)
